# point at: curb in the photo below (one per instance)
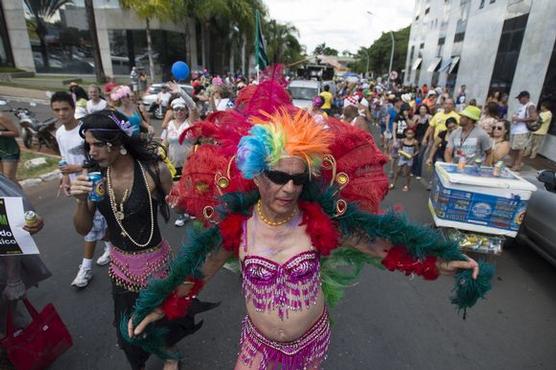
(35, 181)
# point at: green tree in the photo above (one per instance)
(378, 53)
(41, 10)
(322, 49)
(281, 42)
(147, 10)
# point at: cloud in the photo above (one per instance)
(342, 24)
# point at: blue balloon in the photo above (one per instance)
(180, 70)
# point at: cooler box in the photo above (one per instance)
(475, 200)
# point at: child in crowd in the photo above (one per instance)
(409, 149)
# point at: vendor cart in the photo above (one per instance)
(477, 209)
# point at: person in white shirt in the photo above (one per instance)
(185, 113)
(163, 98)
(526, 112)
(72, 151)
(95, 102)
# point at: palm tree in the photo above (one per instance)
(41, 10)
(99, 69)
(148, 9)
(282, 43)
(243, 15)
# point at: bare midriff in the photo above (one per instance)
(288, 329)
(281, 280)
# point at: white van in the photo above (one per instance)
(303, 91)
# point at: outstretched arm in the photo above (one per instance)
(397, 258)
(183, 293)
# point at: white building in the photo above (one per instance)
(487, 45)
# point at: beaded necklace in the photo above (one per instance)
(118, 213)
(264, 219)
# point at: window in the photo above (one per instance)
(492, 1)
(62, 44)
(440, 44)
(417, 19)
(508, 53)
(427, 11)
(482, 5)
(459, 36)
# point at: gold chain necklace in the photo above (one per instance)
(118, 213)
(264, 219)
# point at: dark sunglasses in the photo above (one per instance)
(498, 128)
(282, 178)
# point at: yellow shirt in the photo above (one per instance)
(546, 118)
(438, 121)
(327, 96)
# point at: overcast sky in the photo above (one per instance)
(342, 24)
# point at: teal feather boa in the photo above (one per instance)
(338, 271)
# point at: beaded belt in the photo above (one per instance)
(132, 270)
(307, 351)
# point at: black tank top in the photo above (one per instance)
(137, 221)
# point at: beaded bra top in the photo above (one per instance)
(292, 285)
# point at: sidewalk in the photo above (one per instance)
(23, 94)
(35, 88)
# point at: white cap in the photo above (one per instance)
(178, 103)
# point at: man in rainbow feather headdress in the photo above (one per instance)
(295, 201)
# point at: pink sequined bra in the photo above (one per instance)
(292, 285)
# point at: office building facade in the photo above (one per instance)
(487, 45)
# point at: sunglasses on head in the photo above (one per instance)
(282, 178)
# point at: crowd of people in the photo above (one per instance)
(419, 126)
(107, 129)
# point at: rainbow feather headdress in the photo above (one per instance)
(280, 135)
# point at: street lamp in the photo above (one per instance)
(391, 51)
(368, 50)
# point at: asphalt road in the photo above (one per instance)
(387, 321)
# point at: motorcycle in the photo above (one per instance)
(157, 110)
(32, 128)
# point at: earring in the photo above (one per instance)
(123, 151)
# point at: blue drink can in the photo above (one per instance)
(98, 187)
(62, 163)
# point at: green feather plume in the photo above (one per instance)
(199, 242)
(340, 270)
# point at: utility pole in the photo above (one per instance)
(391, 54)
(368, 57)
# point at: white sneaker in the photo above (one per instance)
(83, 277)
(180, 221)
(105, 258)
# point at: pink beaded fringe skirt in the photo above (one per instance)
(307, 351)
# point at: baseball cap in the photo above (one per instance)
(522, 94)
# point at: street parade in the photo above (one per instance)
(225, 198)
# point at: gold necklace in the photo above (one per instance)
(264, 219)
(119, 218)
